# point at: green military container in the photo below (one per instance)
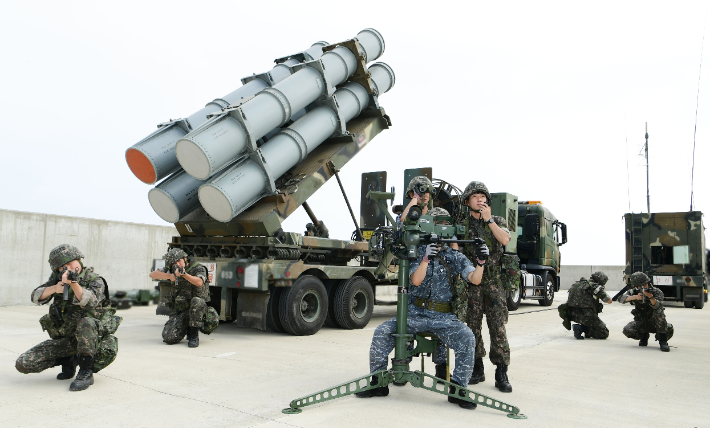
(670, 249)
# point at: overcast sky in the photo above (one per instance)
(544, 100)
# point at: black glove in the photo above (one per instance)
(482, 252)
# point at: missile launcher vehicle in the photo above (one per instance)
(235, 170)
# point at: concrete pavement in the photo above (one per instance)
(240, 377)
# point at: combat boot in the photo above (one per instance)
(663, 342)
(644, 339)
(502, 378)
(477, 375)
(68, 366)
(382, 391)
(441, 372)
(462, 393)
(585, 330)
(85, 378)
(577, 331)
(193, 337)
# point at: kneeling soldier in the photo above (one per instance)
(583, 305)
(80, 321)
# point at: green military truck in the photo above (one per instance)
(535, 239)
(670, 249)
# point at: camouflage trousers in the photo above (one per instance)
(198, 315)
(489, 299)
(589, 318)
(87, 340)
(452, 333)
(651, 322)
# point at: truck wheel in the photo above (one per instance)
(354, 301)
(272, 311)
(549, 292)
(700, 303)
(513, 298)
(689, 304)
(304, 306)
(331, 287)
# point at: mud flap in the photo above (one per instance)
(251, 310)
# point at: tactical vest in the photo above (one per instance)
(86, 277)
(186, 291)
(479, 229)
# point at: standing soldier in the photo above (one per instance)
(583, 305)
(188, 299)
(80, 321)
(649, 316)
(489, 297)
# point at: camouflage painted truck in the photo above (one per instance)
(670, 249)
(234, 171)
(535, 239)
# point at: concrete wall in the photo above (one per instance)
(122, 253)
(569, 274)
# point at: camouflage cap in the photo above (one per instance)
(420, 184)
(173, 255)
(600, 278)
(62, 255)
(475, 187)
(638, 279)
(439, 212)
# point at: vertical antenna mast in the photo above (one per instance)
(648, 197)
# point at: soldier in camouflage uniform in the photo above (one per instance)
(429, 309)
(649, 316)
(583, 305)
(81, 327)
(419, 191)
(188, 299)
(489, 297)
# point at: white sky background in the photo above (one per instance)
(533, 99)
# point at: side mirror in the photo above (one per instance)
(563, 227)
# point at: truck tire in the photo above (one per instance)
(354, 301)
(689, 304)
(272, 311)
(331, 286)
(303, 306)
(549, 292)
(513, 298)
(700, 303)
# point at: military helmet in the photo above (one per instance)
(173, 255)
(475, 187)
(638, 279)
(600, 278)
(439, 212)
(421, 185)
(62, 255)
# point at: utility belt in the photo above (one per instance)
(433, 305)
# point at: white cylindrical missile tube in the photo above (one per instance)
(153, 158)
(230, 193)
(175, 197)
(204, 152)
(372, 42)
(235, 187)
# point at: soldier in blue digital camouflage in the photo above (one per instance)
(429, 310)
(649, 315)
(489, 297)
(583, 306)
(80, 321)
(188, 300)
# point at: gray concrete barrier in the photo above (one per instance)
(569, 274)
(122, 253)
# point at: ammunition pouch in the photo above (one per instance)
(50, 325)
(211, 321)
(599, 307)
(109, 321)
